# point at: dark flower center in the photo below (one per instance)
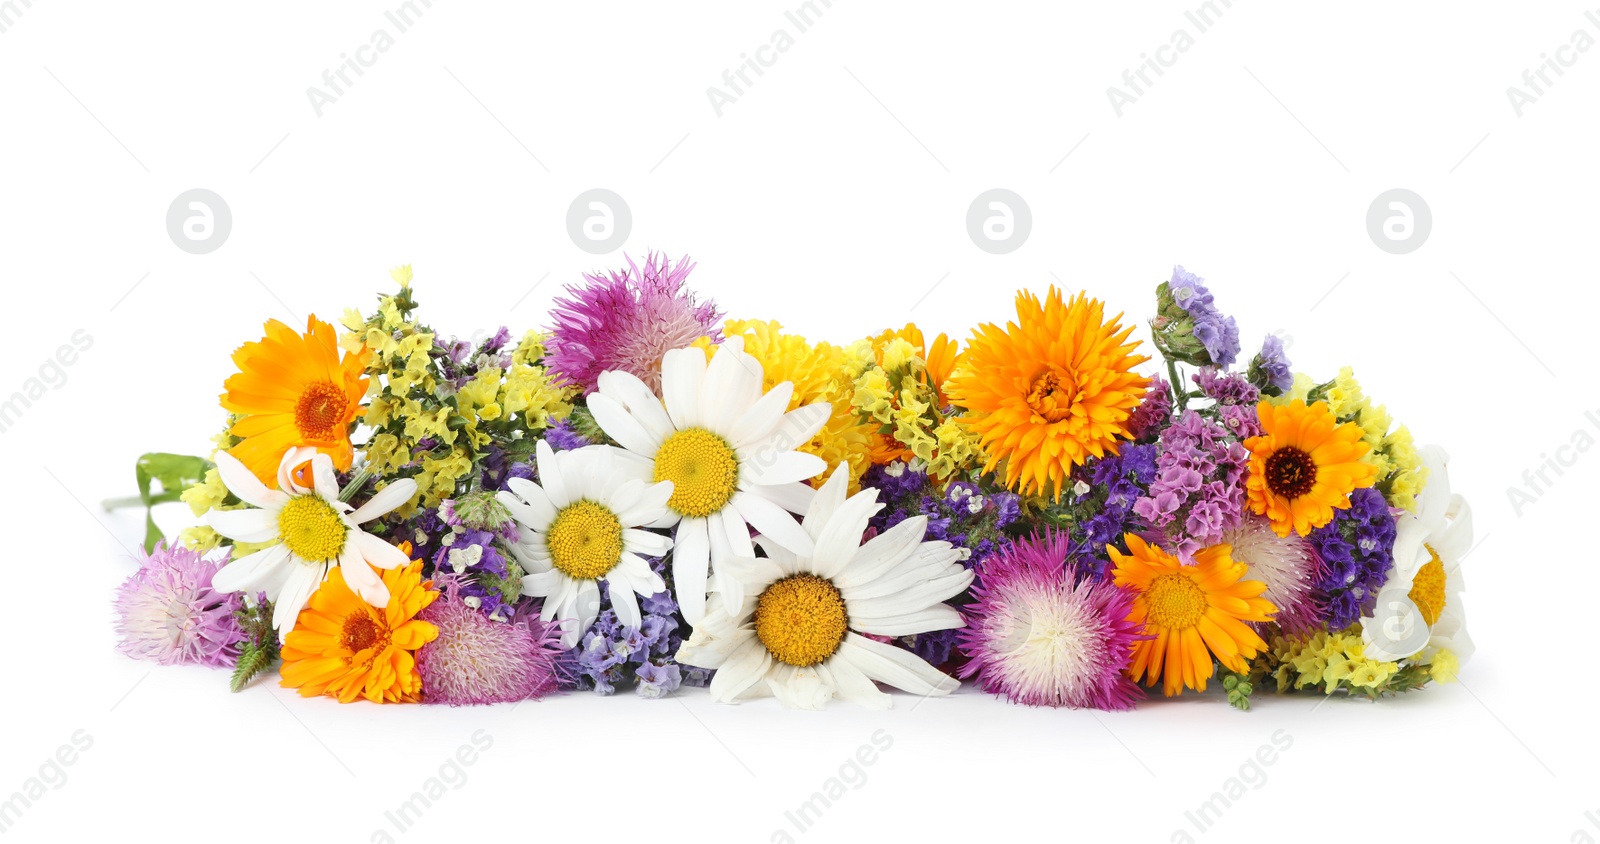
(1291, 472)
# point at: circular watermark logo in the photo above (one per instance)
(1399, 221)
(599, 221)
(1398, 629)
(199, 221)
(999, 221)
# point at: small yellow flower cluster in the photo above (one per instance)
(408, 403)
(1328, 659)
(820, 372)
(895, 394)
(1393, 453)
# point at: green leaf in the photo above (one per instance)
(252, 661)
(176, 473)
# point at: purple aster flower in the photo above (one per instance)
(1270, 367)
(1043, 631)
(168, 612)
(474, 660)
(626, 321)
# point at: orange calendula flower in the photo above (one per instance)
(294, 390)
(1304, 466)
(1193, 612)
(1050, 389)
(345, 648)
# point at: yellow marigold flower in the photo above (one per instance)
(1193, 612)
(345, 648)
(819, 373)
(1304, 466)
(1049, 390)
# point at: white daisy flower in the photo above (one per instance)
(313, 531)
(1419, 610)
(583, 523)
(790, 624)
(729, 450)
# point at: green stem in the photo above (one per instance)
(355, 485)
(118, 503)
(1181, 391)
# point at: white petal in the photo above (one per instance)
(294, 595)
(324, 479)
(691, 564)
(245, 486)
(360, 577)
(650, 508)
(801, 424)
(841, 536)
(925, 620)
(854, 686)
(742, 669)
(732, 385)
(529, 505)
(931, 569)
(736, 536)
(542, 584)
(883, 552)
(292, 459)
(550, 477)
(796, 498)
(621, 426)
(385, 501)
(829, 498)
(244, 525)
(682, 372)
(898, 668)
(774, 523)
(587, 604)
(644, 579)
(250, 572)
(766, 463)
(623, 602)
(739, 578)
(649, 543)
(644, 405)
(763, 417)
(378, 552)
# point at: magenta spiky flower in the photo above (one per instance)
(1044, 632)
(476, 660)
(168, 612)
(1290, 567)
(627, 320)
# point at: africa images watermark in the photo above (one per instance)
(52, 376)
(737, 79)
(1536, 482)
(337, 78)
(10, 11)
(1536, 81)
(51, 776)
(451, 776)
(1137, 78)
(851, 775)
(1252, 776)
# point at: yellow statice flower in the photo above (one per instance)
(820, 372)
(1329, 660)
(207, 495)
(1392, 452)
(897, 393)
(1444, 666)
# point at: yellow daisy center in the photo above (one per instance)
(1427, 588)
(703, 469)
(320, 408)
(801, 619)
(1053, 394)
(311, 528)
(1175, 601)
(585, 540)
(1291, 472)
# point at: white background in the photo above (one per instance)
(832, 195)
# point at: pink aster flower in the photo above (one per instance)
(476, 660)
(1289, 565)
(168, 611)
(626, 321)
(1045, 632)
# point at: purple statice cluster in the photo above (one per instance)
(1357, 551)
(562, 436)
(1234, 400)
(626, 321)
(1145, 423)
(470, 537)
(609, 654)
(1270, 368)
(460, 360)
(500, 467)
(960, 513)
(1103, 494)
(1198, 492)
(1218, 333)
